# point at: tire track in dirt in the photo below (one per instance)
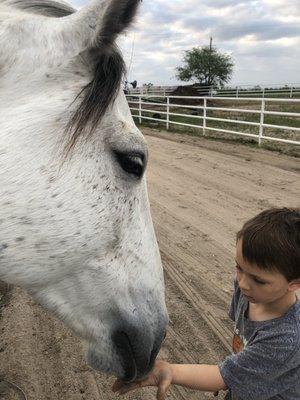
(206, 311)
(218, 190)
(190, 248)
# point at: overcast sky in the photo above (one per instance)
(262, 36)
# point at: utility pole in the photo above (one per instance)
(209, 66)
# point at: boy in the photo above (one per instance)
(266, 359)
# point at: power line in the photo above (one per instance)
(131, 57)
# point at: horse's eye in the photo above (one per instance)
(133, 163)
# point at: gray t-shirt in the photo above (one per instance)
(266, 360)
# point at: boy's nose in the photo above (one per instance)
(244, 284)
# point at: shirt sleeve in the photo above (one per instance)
(265, 368)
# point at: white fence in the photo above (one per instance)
(291, 90)
(158, 90)
(138, 106)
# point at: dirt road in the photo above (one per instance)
(200, 191)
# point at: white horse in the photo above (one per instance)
(75, 225)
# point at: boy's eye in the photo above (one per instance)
(256, 280)
(259, 281)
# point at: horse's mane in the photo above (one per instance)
(109, 70)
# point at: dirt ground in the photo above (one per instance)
(201, 191)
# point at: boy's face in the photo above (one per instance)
(258, 285)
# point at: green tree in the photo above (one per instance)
(207, 66)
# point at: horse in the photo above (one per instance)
(75, 225)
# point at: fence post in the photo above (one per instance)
(204, 115)
(291, 92)
(168, 112)
(263, 93)
(237, 91)
(262, 119)
(140, 109)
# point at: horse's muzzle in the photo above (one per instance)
(137, 347)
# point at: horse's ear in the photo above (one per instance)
(118, 16)
(96, 25)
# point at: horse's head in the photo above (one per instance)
(75, 225)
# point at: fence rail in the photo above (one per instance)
(289, 90)
(138, 105)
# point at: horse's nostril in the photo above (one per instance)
(152, 358)
(136, 349)
(125, 350)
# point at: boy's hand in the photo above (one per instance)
(160, 376)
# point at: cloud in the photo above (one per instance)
(263, 29)
(283, 7)
(263, 37)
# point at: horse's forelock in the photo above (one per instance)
(98, 94)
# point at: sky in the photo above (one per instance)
(262, 37)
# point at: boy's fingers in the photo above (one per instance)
(162, 389)
(122, 387)
(117, 385)
(128, 387)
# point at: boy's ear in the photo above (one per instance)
(294, 285)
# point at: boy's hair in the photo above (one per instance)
(271, 240)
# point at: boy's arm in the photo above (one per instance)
(200, 377)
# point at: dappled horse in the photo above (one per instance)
(75, 225)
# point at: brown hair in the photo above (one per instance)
(271, 240)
